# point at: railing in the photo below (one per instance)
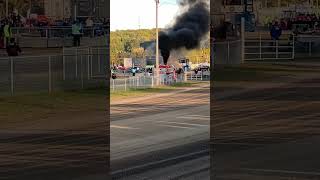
(226, 52)
(307, 45)
(50, 32)
(58, 37)
(199, 76)
(142, 81)
(260, 47)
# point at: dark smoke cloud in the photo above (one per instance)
(188, 29)
(186, 2)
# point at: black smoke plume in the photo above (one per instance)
(188, 29)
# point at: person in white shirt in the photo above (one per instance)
(89, 22)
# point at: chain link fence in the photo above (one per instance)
(80, 68)
(45, 37)
(226, 52)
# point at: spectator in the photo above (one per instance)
(89, 23)
(275, 31)
(76, 32)
(12, 48)
(7, 30)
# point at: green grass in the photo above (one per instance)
(187, 84)
(43, 105)
(130, 93)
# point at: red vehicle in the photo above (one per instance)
(169, 71)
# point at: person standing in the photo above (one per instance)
(13, 48)
(76, 33)
(89, 22)
(275, 31)
(89, 25)
(7, 30)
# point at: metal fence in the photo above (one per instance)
(227, 52)
(143, 81)
(49, 32)
(58, 37)
(307, 46)
(259, 46)
(29, 74)
(253, 48)
(199, 76)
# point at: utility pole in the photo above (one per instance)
(157, 44)
(75, 10)
(139, 23)
(30, 5)
(7, 8)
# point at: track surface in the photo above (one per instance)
(272, 133)
(63, 147)
(168, 131)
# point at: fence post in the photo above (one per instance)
(47, 37)
(201, 75)
(310, 47)
(63, 65)
(185, 77)
(88, 64)
(12, 75)
(135, 81)
(242, 39)
(293, 50)
(125, 83)
(260, 46)
(76, 63)
(90, 51)
(81, 71)
(113, 85)
(228, 49)
(152, 81)
(50, 78)
(277, 50)
(130, 82)
(99, 60)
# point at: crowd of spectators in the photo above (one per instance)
(301, 23)
(41, 22)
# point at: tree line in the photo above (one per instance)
(127, 43)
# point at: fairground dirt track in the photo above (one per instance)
(72, 145)
(161, 137)
(272, 132)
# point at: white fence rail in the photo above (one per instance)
(142, 81)
(268, 49)
(199, 76)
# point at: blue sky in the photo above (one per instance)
(132, 14)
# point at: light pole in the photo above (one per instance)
(7, 8)
(75, 10)
(157, 43)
